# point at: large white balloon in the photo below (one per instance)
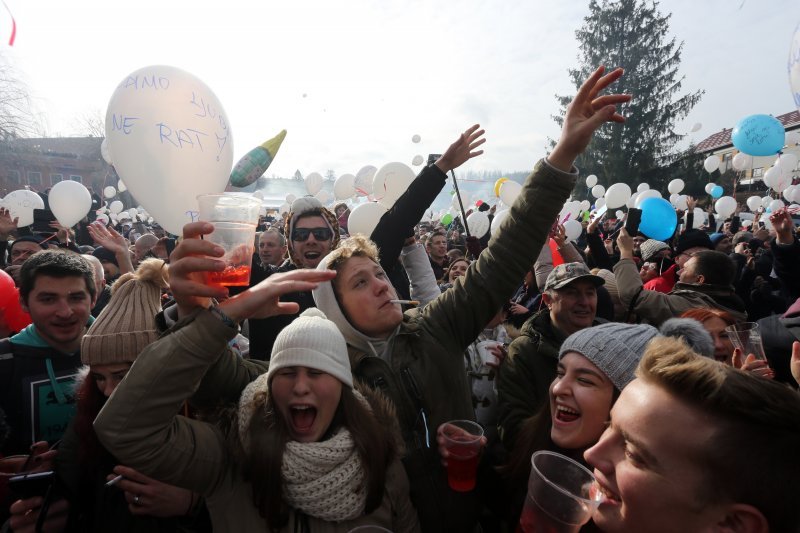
(572, 229)
(675, 186)
(69, 201)
(390, 182)
(742, 161)
(787, 162)
(711, 163)
(116, 207)
(324, 197)
(591, 180)
(774, 205)
(725, 206)
(753, 203)
(642, 187)
(170, 140)
(771, 175)
(649, 193)
(598, 191)
(498, 219)
(600, 203)
(617, 195)
(681, 202)
(781, 182)
(509, 191)
(364, 180)
(20, 204)
(314, 183)
(363, 218)
(699, 218)
(478, 223)
(109, 192)
(765, 201)
(788, 193)
(344, 186)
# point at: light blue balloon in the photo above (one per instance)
(717, 191)
(659, 219)
(759, 135)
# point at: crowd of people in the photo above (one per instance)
(319, 397)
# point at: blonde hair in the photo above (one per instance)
(355, 246)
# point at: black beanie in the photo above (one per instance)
(692, 238)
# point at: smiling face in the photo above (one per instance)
(457, 269)
(365, 294)
(59, 308)
(723, 346)
(307, 400)
(580, 402)
(651, 468)
(310, 251)
(572, 307)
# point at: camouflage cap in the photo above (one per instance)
(566, 273)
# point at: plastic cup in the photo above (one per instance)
(562, 495)
(235, 218)
(463, 443)
(484, 350)
(747, 337)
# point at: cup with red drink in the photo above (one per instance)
(463, 440)
(562, 495)
(235, 217)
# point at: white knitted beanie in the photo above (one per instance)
(312, 341)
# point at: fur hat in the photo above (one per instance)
(692, 332)
(308, 205)
(128, 323)
(615, 348)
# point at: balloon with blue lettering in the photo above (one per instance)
(759, 135)
(716, 191)
(170, 140)
(255, 162)
(793, 66)
(659, 219)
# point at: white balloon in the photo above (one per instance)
(314, 183)
(725, 206)
(681, 202)
(675, 186)
(103, 218)
(418, 160)
(586, 205)
(632, 200)
(710, 187)
(324, 197)
(792, 138)
(478, 223)
(115, 207)
(742, 161)
(170, 140)
(415, 139)
(788, 193)
(591, 180)
(765, 201)
(781, 182)
(642, 187)
(771, 175)
(598, 191)
(699, 218)
(617, 195)
(747, 223)
(121, 187)
(796, 195)
(363, 218)
(290, 198)
(390, 182)
(619, 214)
(570, 210)
(344, 187)
(69, 201)
(774, 205)
(600, 203)
(109, 192)
(20, 204)
(649, 193)
(753, 203)
(711, 163)
(284, 208)
(105, 153)
(696, 127)
(363, 182)
(132, 212)
(572, 229)
(509, 191)
(787, 162)
(498, 219)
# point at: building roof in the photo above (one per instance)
(722, 139)
(61, 146)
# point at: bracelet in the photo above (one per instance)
(219, 313)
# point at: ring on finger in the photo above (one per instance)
(136, 500)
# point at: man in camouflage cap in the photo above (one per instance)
(570, 294)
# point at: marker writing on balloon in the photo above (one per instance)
(122, 123)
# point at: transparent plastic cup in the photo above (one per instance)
(747, 337)
(462, 438)
(562, 495)
(235, 218)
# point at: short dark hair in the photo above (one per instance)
(716, 267)
(273, 231)
(57, 264)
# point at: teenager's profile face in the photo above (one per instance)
(365, 294)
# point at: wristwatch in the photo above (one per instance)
(219, 313)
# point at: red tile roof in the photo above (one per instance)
(722, 139)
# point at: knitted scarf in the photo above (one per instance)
(325, 479)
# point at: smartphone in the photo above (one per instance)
(25, 486)
(633, 220)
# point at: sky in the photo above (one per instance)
(353, 81)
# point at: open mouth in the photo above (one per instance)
(312, 255)
(302, 417)
(607, 496)
(566, 414)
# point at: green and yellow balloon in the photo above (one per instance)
(253, 165)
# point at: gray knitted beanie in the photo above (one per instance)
(614, 348)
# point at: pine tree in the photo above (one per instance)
(632, 34)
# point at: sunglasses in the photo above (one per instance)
(320, 234)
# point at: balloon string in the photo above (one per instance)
(13, 26)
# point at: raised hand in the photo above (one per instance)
(7, 224)
(625, 244)
(108, 237)
(758, 367)
(462, 150)
(188, 264)
(585, 114)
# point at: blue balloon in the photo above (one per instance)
(759, 135)
(717, 191)
(659, 219)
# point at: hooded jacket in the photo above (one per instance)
(655, 307)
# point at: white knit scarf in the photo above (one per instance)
(325, 479)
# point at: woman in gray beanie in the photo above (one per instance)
(594, 366)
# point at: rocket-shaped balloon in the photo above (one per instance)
(256, 161)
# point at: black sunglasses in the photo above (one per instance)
(320, 234)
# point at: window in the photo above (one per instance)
(34, 179)
(758, 172)
(55, 178)
(13, 177)
(76, 178)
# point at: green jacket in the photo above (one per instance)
(524, 382)
(139, 427)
